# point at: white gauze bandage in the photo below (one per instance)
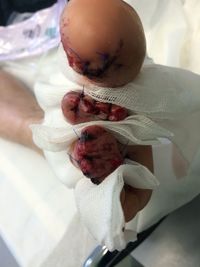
(157, 100)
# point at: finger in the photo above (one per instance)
(133, 200)
(130, 203)
(142, 155)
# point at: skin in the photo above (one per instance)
(18, 109)
(112, 47)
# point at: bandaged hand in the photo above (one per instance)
(97, 153)
(110, 58)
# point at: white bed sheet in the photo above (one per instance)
(35, 208)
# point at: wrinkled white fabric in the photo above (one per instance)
(136, 129)
(168, 96)
(99, 205)
(166, 29)
(158, 91)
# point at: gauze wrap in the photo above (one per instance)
(158, 101)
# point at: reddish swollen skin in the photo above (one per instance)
(78, 108)
(96, 153)
(103, 40)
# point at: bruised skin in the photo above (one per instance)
(103, 40)
(96, 153)
(78, 108)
